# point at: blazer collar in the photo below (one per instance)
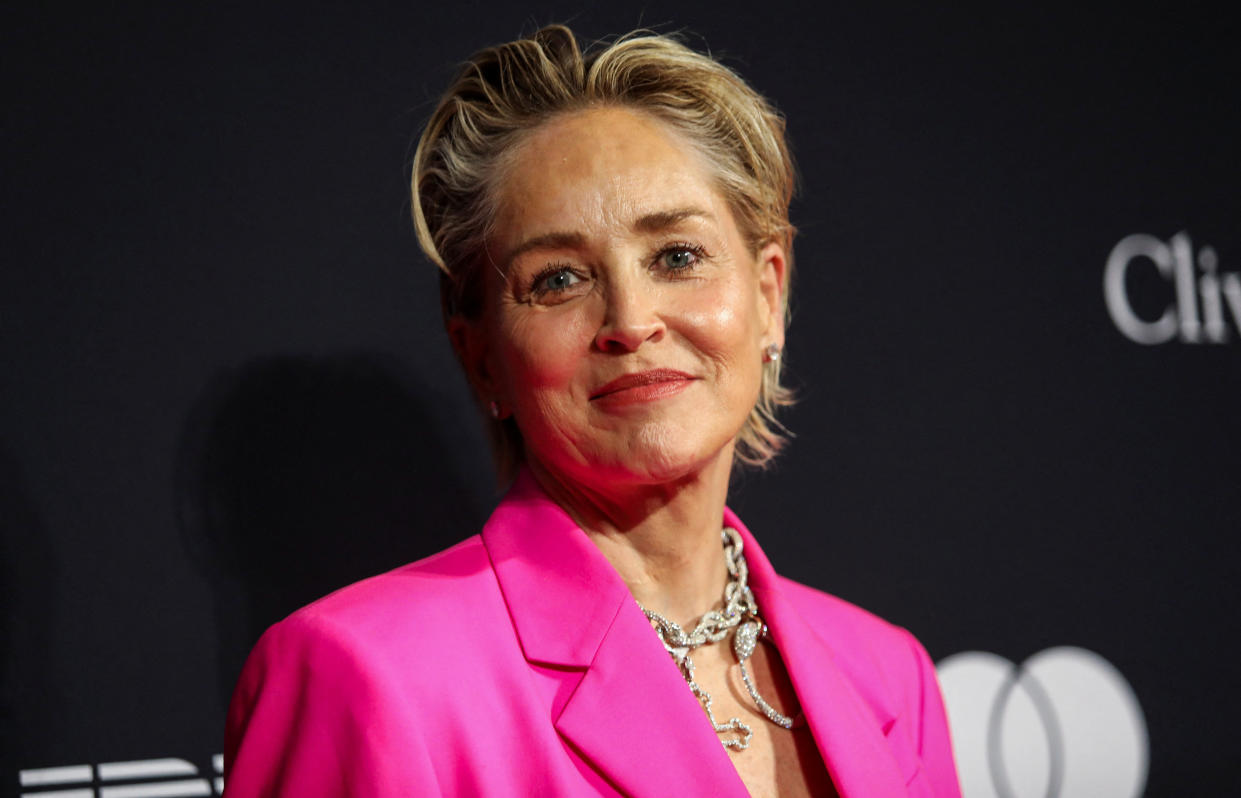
(561, 591)
(629, 713)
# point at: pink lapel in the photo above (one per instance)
(631, 716)
(849, 729)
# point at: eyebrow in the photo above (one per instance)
(547, 241)
(662, 220)
(650, 223)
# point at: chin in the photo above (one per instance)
(659, 454)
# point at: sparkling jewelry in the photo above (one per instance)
(772, 353)
(494, 408)
(740, 619)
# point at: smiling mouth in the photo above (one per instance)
(643, 385)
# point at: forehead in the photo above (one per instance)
(597, 169)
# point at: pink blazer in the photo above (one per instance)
(517, 663)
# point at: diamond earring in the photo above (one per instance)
(772, 353)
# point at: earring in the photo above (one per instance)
(772, 353)
(494, 408)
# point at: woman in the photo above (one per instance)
(613, 235)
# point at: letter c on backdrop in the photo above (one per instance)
(1134, 328)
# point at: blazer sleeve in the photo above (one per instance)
(308, 719)
(934, 738)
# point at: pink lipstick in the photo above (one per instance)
(643, 386)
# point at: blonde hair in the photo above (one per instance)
(504, 92)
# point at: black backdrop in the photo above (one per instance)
(225, 388)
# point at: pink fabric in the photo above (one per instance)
(516, 663)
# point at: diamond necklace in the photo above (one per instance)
(740, 613)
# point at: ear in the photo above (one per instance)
(772, 277)
(472, 345)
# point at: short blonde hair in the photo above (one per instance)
(504, 92)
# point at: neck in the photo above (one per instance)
(663, 539)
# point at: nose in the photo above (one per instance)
(631, 318)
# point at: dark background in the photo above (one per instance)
(226, 391)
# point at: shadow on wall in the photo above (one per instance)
(28, 581)
(299, 475)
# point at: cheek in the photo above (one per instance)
(543, 351)
(724, 324)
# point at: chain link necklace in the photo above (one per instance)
(739, 618)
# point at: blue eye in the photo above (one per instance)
(556, 281)
(679, 258)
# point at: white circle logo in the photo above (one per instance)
(1063, 724)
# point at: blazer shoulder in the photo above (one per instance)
(840, 621)
(865, 645)
(450, 582)
(372, 634)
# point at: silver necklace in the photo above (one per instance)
(740, 618)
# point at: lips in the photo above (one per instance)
(643, 385)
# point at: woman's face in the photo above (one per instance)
(626, 317)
